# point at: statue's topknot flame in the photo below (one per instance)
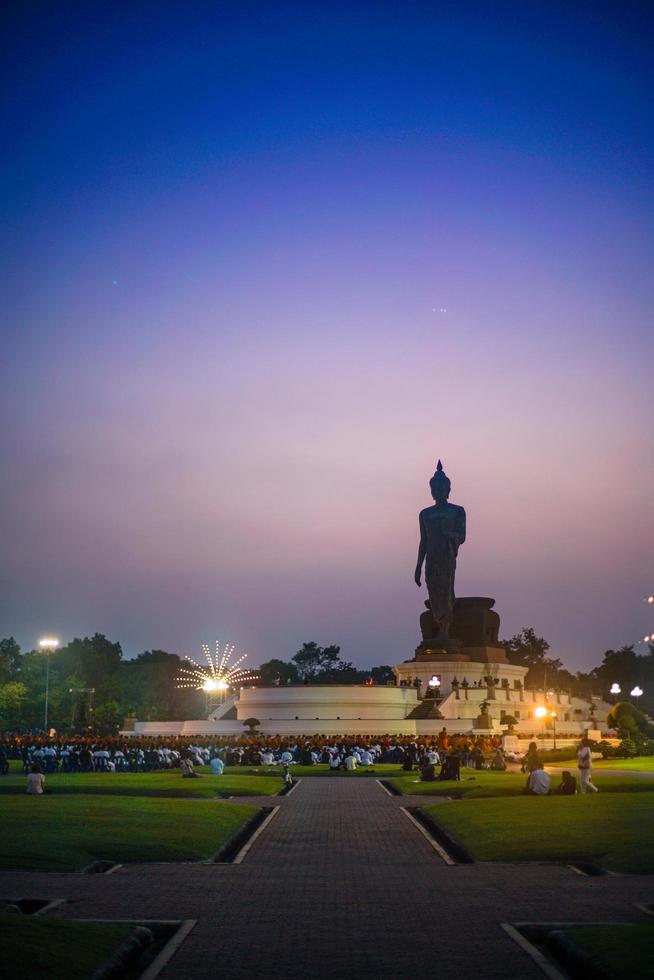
(440, 484)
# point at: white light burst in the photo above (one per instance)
(218, 675)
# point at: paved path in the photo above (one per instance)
(341, 885)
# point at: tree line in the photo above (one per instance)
(92, 684)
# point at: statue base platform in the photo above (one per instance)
(480, 654)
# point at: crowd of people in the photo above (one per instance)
(42, 755)
(138, 754)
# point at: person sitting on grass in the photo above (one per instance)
(427, 773)
(499, 763)
(36, 781)
(186, 766)
(532, 760)
(538, 783)
(568, 784)
(451, 768)
(217, 766)
(351, 762)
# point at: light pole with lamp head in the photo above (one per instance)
(544, 711)
(541, 712)
(49, 644)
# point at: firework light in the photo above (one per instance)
(218, 675)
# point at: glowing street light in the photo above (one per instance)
(48, 644)
(543, 711)
(636, 692)
(434, 681)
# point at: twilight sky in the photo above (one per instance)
(262, 264)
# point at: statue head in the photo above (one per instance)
(440, 484)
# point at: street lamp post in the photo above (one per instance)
(544, 711)
(49, 644)
(541, 712)
(636, 692)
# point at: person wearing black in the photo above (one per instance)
(451, 768)
(568, 784)
(427, 773)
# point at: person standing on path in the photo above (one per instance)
(585, 765)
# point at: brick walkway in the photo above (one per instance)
(341, 885)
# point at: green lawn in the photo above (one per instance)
(475, 784)
(643, 763)
(472, 784)
(53, 949)
(382, 771)
(234, 782)
(614, 830)
(621, 950)
(69, 831)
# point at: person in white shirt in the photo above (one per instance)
(217, 766)
(366, 758)
(538, 783)
(350, 763)
(433, 757)
(35, 781)
(585, 765)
